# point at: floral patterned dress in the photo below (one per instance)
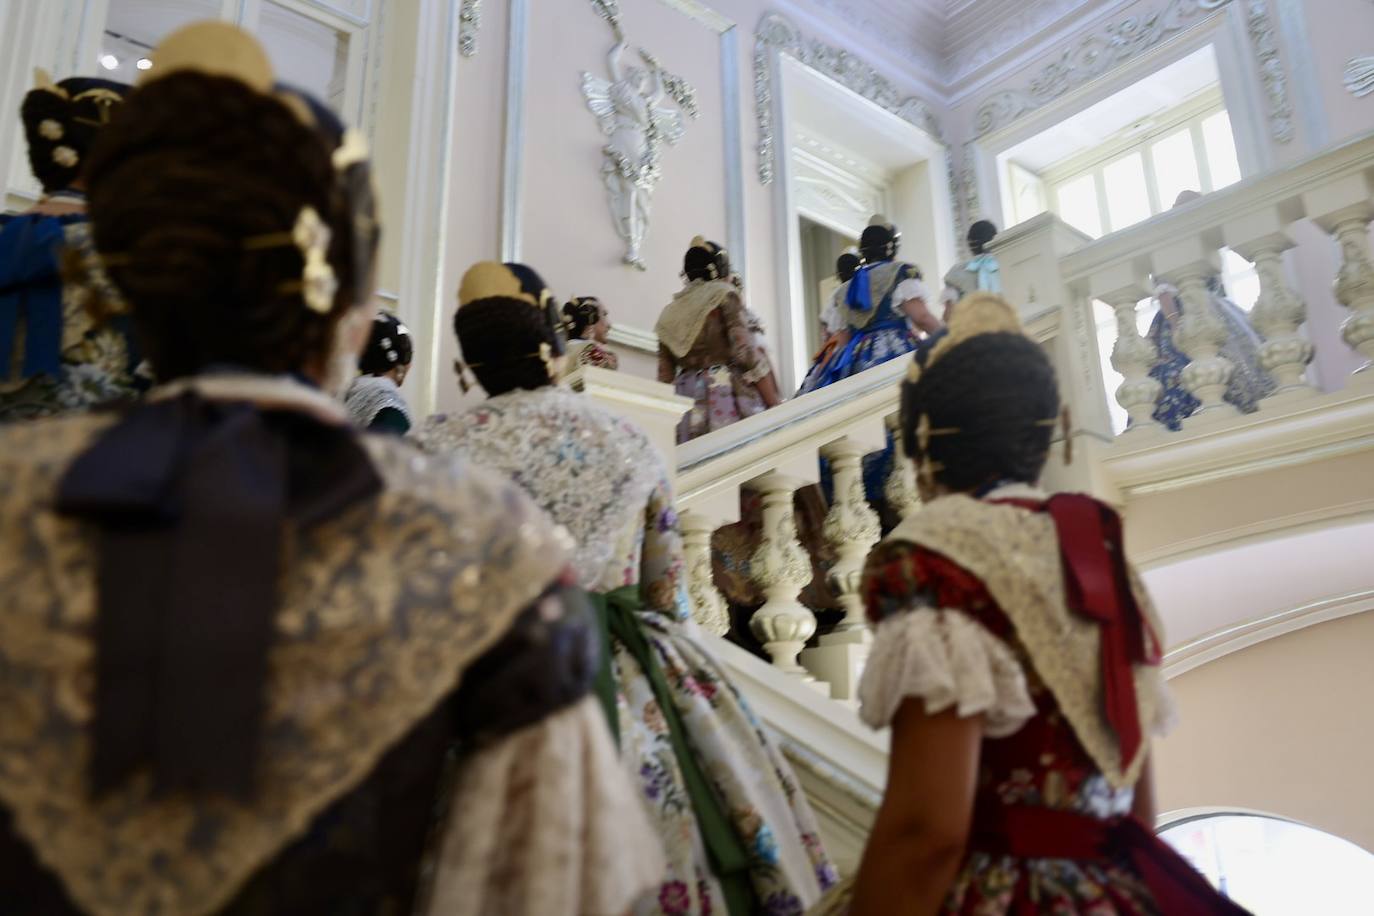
(973, 614)
(599, 477)
(1250, 382)
(710, 352)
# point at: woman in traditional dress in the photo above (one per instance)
(881, 304)
(587, 324)
(707, 350)
(832, 321)
(232, 629)
(739, 835)
(1250, 382)
(980, 273)
(1016, 659)
(374, 400)
(57, 353)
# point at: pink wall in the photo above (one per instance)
(567, 231)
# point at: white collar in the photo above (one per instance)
(263, 390)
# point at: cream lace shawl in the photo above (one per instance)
(1015, 554)
(681, 322)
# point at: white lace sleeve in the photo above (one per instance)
(910, 288)
(948, 659)
(546, 823)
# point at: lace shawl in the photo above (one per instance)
(590, 470)
(883, 279)
(1016, 555)
(369, 395)
(681, 322)
(386, 607)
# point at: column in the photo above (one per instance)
(852, 528)
(1278, 314)
(900, 488)
(709, 607)
(1355, 288)
(1133, 355)
(1200, 334)
(781, 568)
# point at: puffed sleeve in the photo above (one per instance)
(911, 288)
(933, 642)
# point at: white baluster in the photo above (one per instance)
(1134, 356)
(900, 488)
(1355, 288)
(709, 608)
(851, 527)
(1278, 314)
(1200, 334)
(781, 569)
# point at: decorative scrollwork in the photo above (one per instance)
(1272, 74)
(1090, 57)
(777, 34)
(469, 24)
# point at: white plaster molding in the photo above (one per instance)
(1359, 76)
(1287, 524)
(1270, 62)
(635, 338)
(1000, 29)
(778, 35)
(1231, 639)
(1090, 57)
(469, 24)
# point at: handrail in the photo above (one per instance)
(1282, 188)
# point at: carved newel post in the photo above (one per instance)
(900, 487)
(1355, 288)
(709, 609)
(1277, 315)
(1200, 334)
(781, 569)
(851, 527)
(1134, 356)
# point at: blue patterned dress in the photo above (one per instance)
(878, 331)
(1249, 384)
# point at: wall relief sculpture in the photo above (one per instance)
(776, 33)
(629, 108)
(1359, 75)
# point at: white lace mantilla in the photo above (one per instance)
(683, 319)
(589, 469)
(949, 660)
(369, 395)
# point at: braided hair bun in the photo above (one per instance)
(984, 407)
(580, 314)
(847, 265)
(507, 327)
(706, 261)
(388, 346)
(199, 188)
(61, 121)
(879, 240)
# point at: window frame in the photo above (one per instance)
(1187, 116)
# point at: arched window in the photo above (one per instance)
(1275, 867)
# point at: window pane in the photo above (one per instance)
(1128, 201)
(1176, 168)
(1240, 279)
(1221, 150)
(1078, 205)
(1028, 193)
(134, 27)
(306, 53)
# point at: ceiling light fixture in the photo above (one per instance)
(145, 64)
(109, 62)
